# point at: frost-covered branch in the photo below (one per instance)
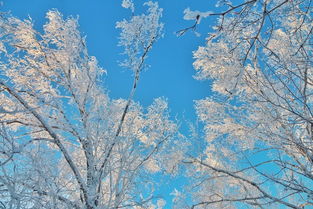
(70, 145)
(261, 100)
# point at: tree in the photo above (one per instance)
(258, 121)
(64, 142)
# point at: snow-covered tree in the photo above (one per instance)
(258, 123)
(63, 142)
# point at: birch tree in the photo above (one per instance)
(258, 121)
(63, 142)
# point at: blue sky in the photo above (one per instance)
(171, 71)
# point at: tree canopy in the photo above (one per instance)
(65, 143)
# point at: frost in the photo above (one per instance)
(152, 166)
(177, 196)
(77, 147)
(2, 48)
(128, 4)
(259, 114)
(138, 34)
(195, 15)
(161, 203)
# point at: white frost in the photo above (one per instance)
(195, 15)
(128, 4)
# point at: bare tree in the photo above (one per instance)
(258, 121)
(63, 142)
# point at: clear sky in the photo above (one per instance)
(171, 71)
